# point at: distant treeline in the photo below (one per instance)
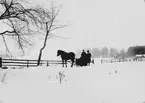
(136, 50)
(113, 52)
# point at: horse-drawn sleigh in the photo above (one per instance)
(66, 56)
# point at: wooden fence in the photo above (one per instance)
(122, 60)
(26, 63)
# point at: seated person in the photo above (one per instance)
(88, 57)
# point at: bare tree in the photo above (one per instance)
(96, 52)
(104, 52)
(51, 24)
(113, 52)
(22, 22)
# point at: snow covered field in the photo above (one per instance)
(98, 83)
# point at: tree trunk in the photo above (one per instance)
(0, 62)
(44, 45)
(39, 58)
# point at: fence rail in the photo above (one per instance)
(29, 63)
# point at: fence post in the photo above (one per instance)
(47, 63)
(40, 62)
(27, 63)
(93, 61)
(111, 60)
(101, 61)
(0, 62)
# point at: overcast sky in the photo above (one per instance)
(99, 23)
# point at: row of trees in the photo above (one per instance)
(22, 22)
(108, 52)
(113, 52)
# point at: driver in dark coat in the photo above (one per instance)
(83, 54)
(83, 59)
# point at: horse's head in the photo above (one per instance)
(59, 52)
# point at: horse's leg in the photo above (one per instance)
(62, 63)
(65, 63)
(72, 62)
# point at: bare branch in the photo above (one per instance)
(7, 49)
(58, 27)
(5, 32)
(60, 37)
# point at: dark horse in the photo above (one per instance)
(66, 56)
